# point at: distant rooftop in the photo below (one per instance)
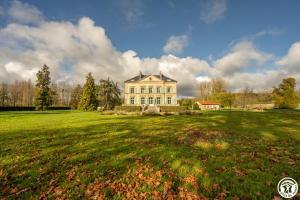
(209, 103)
(143, 76)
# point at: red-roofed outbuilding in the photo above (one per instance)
(208, 105)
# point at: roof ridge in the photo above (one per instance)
(143, 76)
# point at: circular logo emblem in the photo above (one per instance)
(287, 187)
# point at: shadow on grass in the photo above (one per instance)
(107, 148)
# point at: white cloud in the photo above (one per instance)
(176, 44)
(213, 10)
(86, 48)
(132, 10)
(241, 56)
(257, 81)
(184, 70)
(269, 32)
(24, 13)
(203, 79)
(291, 61)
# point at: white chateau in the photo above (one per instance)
(143, 90)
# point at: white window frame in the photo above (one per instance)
(131, 90)
(132, 100)
(169, 89)
(143, 90)
(142, 100)
(150, 101)
(158, 100)
(158, 89)
(150, 90)
(169, 100)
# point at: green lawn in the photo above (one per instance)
(75, 155)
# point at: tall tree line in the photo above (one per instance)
(283, 96)
(19, 93)
(44, 93)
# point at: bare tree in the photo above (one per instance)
(219, 85)
(205, 88)
(4, 94)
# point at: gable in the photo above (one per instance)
(151, 78)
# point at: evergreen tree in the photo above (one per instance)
(75, 96)
(43, 98)
(88, 100)
(285, 95)
(109, 94)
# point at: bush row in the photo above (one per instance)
(59, 108)
(128, 108)
(31, 108)
(172, 108)
(139, 108)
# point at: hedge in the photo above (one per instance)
(17, 108)
(128, 108)
(31, 108)
(59, 108)
(172, 108)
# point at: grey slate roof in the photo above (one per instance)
(137, 78)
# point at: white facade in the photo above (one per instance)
(150, 90)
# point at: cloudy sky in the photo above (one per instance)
(248, 43)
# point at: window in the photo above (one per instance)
(168, 89)
(150, 100)
(150, 90)
(142, 90)
(158, 90)
(158, 100)
(142, 100)
(131, 90)
(169, 100)
(131, 100)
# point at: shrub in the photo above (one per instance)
(172, 108)
(128, 108)
(150, 113)
(185, 112)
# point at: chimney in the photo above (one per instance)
(160, 75)
(141, 75)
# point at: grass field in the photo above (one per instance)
(75, 155)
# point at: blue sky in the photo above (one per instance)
(247, 38)
(157, 20)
